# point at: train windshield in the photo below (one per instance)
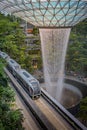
(35, 85)
(12, 61)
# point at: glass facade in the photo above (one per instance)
(47, 13)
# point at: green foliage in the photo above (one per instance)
(76, 58)
(39, 62)
(35, 31)
(12, 42)
(9, 119)
(13, 119)
(2, 62)
(81, 28)
(83, 108)
(82, 114)
(1, 126)
(3, 81)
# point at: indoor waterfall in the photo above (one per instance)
(54, 45)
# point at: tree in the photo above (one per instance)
(35, 31)
(83, 111)
(77, 49)
(10, 119)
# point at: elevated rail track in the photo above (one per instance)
(50, 117)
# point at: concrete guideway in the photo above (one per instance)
(56, 120)
(29, 122)
(47, 116)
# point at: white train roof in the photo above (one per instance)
(26, 76)
(3, 54)
(13, 63)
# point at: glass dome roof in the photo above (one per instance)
(47, 13)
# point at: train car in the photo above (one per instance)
(3, 55)
(30, 83)
(13, 66)
(24, 78)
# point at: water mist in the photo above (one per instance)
(54, 45)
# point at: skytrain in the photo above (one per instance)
(25, 79)
(3, 55)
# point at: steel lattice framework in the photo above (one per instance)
(47, 13)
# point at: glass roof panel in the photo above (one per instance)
(47, 13)
(11, 1)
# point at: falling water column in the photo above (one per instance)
(54, 44)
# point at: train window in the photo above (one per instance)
(34, 84)
(3, 53)
(16, 67)
(26, 74)
(12, 61)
